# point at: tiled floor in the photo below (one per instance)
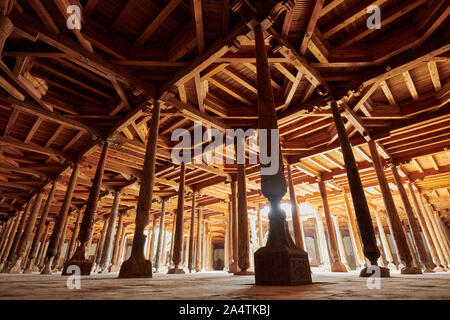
(221, 285)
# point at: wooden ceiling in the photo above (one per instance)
(62, 90)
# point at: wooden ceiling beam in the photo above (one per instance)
(314, 17)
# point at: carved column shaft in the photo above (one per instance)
(243, 233)
(191, 236)
(161, 234)
(40, 256)
(105, 260)
(198, 252)
(296, 219)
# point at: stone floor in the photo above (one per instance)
(221, 285)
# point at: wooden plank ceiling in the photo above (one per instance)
(61, 89)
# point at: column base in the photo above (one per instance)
(176, 271)
(114, 268)
(439, 269)
(338, 267)
(410, 270)
(428, 270)
(370, 272)
(392, 266)
(282, 266)
(84, 265)
(136, 268)
(233, 268)
(244, 273)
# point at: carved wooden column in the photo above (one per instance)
(79, 258)
(243, 233)
(393, 217)
(58, 229)
(152, 240)
(234, 223)
(163, 249)
(353, 228)
(336, 264)
(9, 241)
(204, 237)
(445, 252)
(161, 234)
(100, 244)
(73, 242)
(322, 241)
(172, 240)
(296, 219)
(16, 238)
(191, 235)
(26, 236)
(384, 242)
(6, 232)
(198, 251)
(58, 261)
(105, 260)
(415, 230)
(119, 234)
(39, 262)
(440, 231)
(31, 266)
(178, 243)
(340, 242)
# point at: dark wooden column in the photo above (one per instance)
(27, 235)
(274, 262)
(160, 235)
(72, 242)
(79, 257)
(179, 230)
(296, 219)
(393, 217)
(336, 263)
(198, 257)
(105, 259)
(119, 234)
(9, 240)
(59, 222)
(5, 233)
(191, 235)
(415, 229)
(39, 262)
(234, 223)
(58, 261)
(17, 237)
(38, 235)
(137, 266)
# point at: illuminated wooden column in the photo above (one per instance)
(191, 235)
(58, 261)
(100, 244)
(178, 241)
(336, 264)
(6, 232)
(163, 252)
(340, 242)
(172, 238)
(198, 258)
(384, 242)
(117, 242)
(322, 241)
(415, 229)
(392, 214)
(353, 228)
(10, 239)
(105, 259)
(234, 223)
(260, 231)
(39, 262)
(79, 258)
(274, 262)
(7, 259)
(438, 227)
(296, 219)
(439, 236)
(15, 264)
(204, 248)
(58, 229)
(73, 240)
(426, 231)
(161, 234)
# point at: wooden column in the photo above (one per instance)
(58, 261)
(31, 266)
(438, 227)
(384, 242)
(260, 231)
(40, 256)
(79, 258)
(172, 240)
(362, 212)
(119, 234)
(296, 219)
(234, 223)
(340, 242)
(6, 232)
(149, 235)
(439, 236)
(353, 228)
(17, 236)
(105, 260)
(27, 235)
(191, 235)
(243, 233)
(161, 234)
(204, 248)
(100, 244)
(415, 230)
(271, 267)
(10, 239)
(336, 264)
(322, 241)
(198, 252)
(58, 229)
(393, 217)
(163, 249)
(178, 243)
(72, 243)
(152, 240)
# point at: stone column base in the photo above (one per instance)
(282, 266)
